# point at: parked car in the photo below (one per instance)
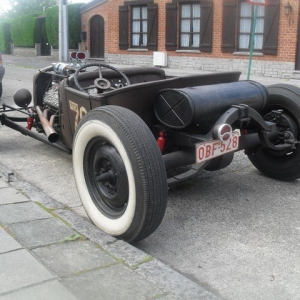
(128, 129)
(2, 71)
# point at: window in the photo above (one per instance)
(238, 24)
(190, 26)
(195, 25)
(246, 27)
(138, 25)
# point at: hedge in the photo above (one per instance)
(5, 37)
(27, 30)
(23, 30)
(52, 26)
(74, 25)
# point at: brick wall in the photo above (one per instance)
(280, 65)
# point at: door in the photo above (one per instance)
(45, 47)
(43, 40)
(97, 37)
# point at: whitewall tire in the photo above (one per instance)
(119, 173)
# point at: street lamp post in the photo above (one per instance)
(63, 30)
(255, 3)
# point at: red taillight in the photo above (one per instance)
(73, 55)
(161, 141)
(244, 131)
(81, 55)
(29, 123)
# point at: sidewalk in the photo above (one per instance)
(48, 252)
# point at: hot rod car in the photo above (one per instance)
(126, 128)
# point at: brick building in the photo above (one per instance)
(212, 35)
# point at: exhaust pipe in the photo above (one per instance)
(179, 158)
(50, 132)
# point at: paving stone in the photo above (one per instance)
(80, 211)
(73, 257)
(41, 232)
(131, 255)
(113, 283)
(21, 212)
(20, 269)
(10, 195)
(7, 242)
(85, 227)
(37, 195)
(170, 280)
(164, 297)
(7, 175)
(52, 290)
(3, 184)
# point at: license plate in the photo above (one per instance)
(211, 149)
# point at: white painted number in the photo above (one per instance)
(80, 112)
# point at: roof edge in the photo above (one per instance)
(91, 5)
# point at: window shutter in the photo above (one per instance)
(171, 26)
(229, 26)
(271, 27)
(206, 26)
(152, 26)
(123, 27)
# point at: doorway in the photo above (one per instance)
(97, 37)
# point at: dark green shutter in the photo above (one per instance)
(123, 27)
(171, 26)
(271, 27)
(206, 26)
(229, 26)
(152, 26)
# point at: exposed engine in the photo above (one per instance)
(60, 71)
(45, 115)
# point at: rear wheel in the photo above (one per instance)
(281, 164)
(119, 172)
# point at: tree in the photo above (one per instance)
(24, 7)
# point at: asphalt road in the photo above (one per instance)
(235, 232)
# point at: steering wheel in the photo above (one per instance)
(100, 83)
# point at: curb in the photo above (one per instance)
(153, 270)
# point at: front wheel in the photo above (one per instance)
(119, 172)
(281, 164)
